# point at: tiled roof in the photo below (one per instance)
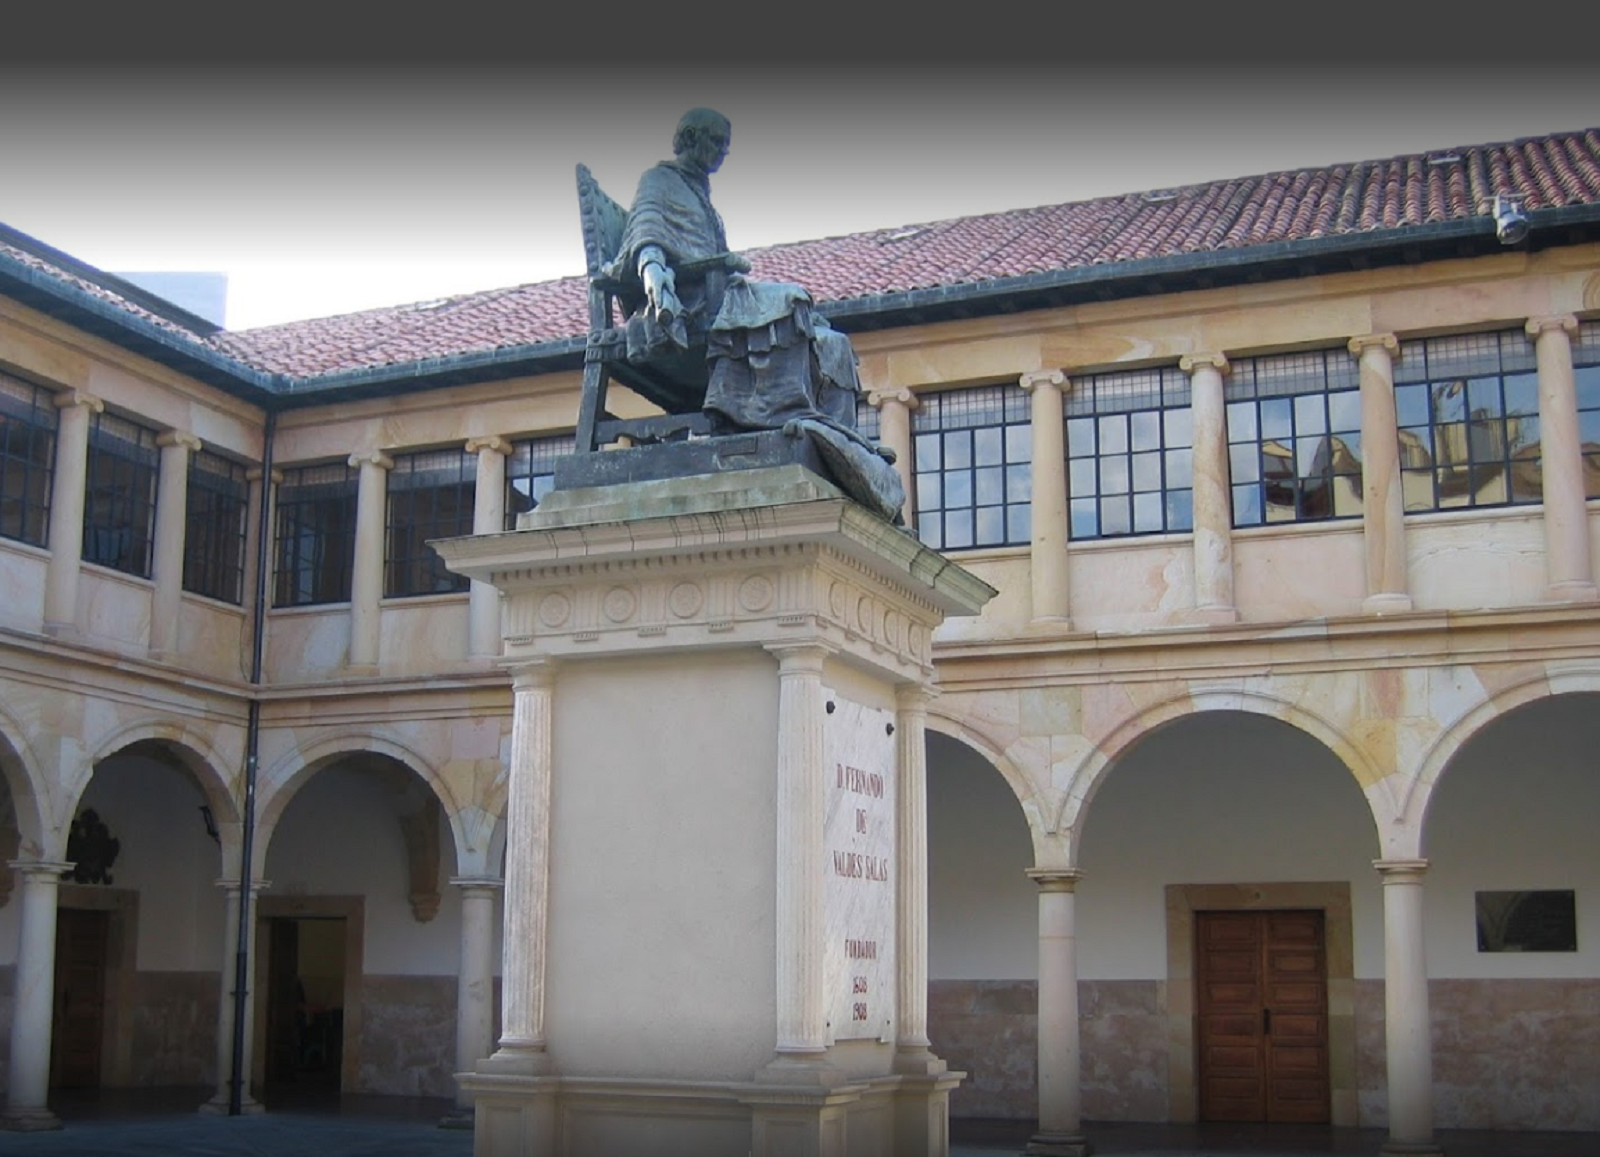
(1342, 200)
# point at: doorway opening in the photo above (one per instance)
(78, 1020)
(305, 990)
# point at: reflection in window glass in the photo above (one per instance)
(1130, 453)
(1586, 374)
(213, 538)
(531, 472)
(27, 459)
(316, 521)
(974, 462)
(1294, 437)
(119, 502)
(1468, 410)
(430, 496)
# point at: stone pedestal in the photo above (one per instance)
(726, 660)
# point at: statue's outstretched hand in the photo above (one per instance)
(661, 288)
(737, 264)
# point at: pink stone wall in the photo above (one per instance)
(408, 1036)
(174, 1028)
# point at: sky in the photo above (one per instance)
(364, 172)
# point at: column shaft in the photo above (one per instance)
(894, 431)
(1566, 514)
(802, 1022)
(1060, 1125)
(1213, 511)
(366, 570)
(219, 1101)
(166, 564)
(1048, 561)
(488, 517)
(27, 1100)
(1382, 496)
(475, 980)
(527, 882)
(66, 508)
(911, 888)
(1407, 1028)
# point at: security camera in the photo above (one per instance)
(1510, 222)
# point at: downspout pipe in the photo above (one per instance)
(252, 750)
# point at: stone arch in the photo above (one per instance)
(29, 789)
(284, 780)
(1033, 809)
(1091, 772)
(1413, 806)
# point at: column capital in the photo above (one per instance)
(914, 696)
(170, 438)
(532, 674)
(68, 399)
(372, 457)
(1189, 363)
(478, 883)
(1036, 378)
(905, 395)
(47, 871)
(1373, 341)
(1401, 871)
(256, 473)
(801, 656)
(1056, 879)
(492, 442)
(1564, 322)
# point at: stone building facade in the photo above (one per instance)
(1262, 789)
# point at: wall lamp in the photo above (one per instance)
(1510, 220)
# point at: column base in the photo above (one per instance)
(919, 1062)
(1389, 603)
(217, 1106)
(516, 1062)
(1059, 1145)
(1393, 1148)
(806, 1069)
(1217, 614)
(1571, 592)
(38, 1120)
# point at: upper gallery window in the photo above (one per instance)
(1586, 372)
(213, 539)
(974, 467)
(119, 503)
(430, 496)
(1130, 453)
(1294, 437)
(27, 459)
(316, 533)
(531, 472)
(1468, 411)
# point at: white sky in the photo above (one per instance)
(322, 189)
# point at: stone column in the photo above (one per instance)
(1407, 1029)
(166, 563)
(366, 570)
(527, 882)
(66, 509)
(261, 490)
(219, 1101)
(1060, 1131)
(488, 517)
(894, 431)
(1213, 509)
(1383, 504)
(1566, 514)
(802, 1021)
(912, 1047)
(1048, 560)
(27, 1094)
(474, 985)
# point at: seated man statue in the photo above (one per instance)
(774, 363)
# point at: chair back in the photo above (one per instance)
(602, 220)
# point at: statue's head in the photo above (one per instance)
(702, 138)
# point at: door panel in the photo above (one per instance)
(78, 1021)
(1262, 1011)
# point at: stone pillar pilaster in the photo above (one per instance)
(262, 489)
(527, 883)
(366, 570)
(66, 509)
(1060, 1125)
(28, 1083)
(802, 1021)
(912, 1047)
(1048, 560)
(1407, 1029)
(218, 1104)
(894, 431)
(166, 563)
(1383, 505)
(1213, 509)
(474, 984)
(1566, 514)
(488, 517)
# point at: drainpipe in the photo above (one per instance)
(252, 749)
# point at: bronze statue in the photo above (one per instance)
(698, 333)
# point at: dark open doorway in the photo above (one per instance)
(305, 1002)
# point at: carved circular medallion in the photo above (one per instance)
(838, 599)
(755, 593)
(891, 628)
(917, 641)
(619, 604)
(555, 609)
(685, 599)
(864, 615)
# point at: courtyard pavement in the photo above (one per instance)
(164, 1123)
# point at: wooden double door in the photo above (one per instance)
(1261, 990)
